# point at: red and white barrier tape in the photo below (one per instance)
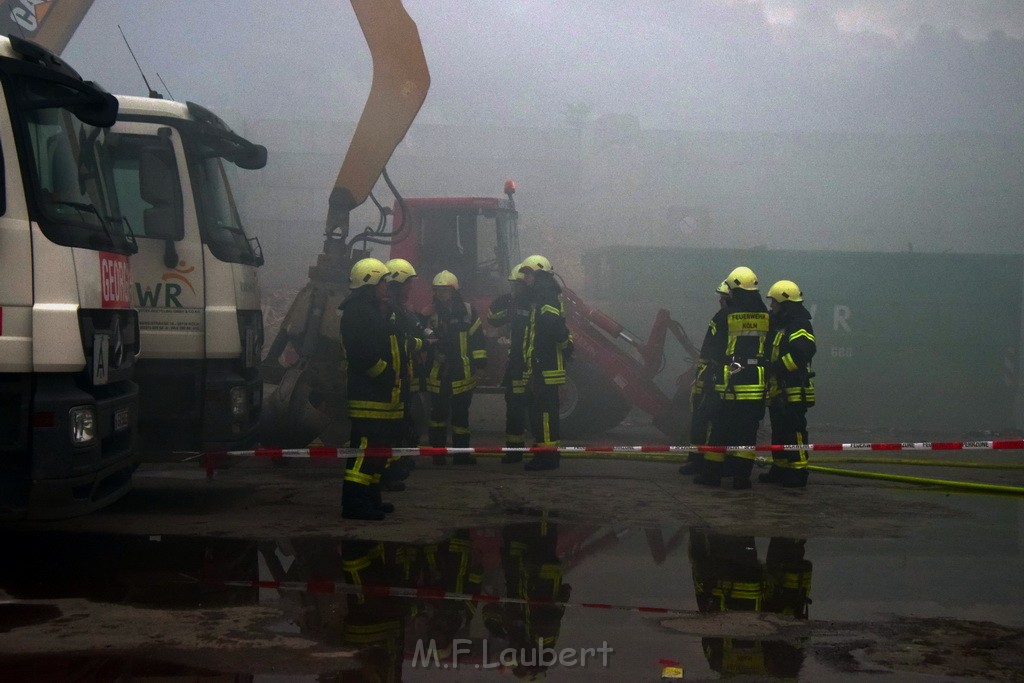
(328, 453)
(371, 590)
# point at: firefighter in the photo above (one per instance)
(738, 352)
(534, 581)
(547, 341)
(728, 577)
(373, 362)
(454, 360)
(373, 624)
(512, 309)
(702, 395)
(790, 382)
(410, 330)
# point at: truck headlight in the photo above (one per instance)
(83, 425)
(239, 398)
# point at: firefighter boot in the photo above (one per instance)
(356, 503)
(741, 469)
(772, 476)
(710, 474)
(545, 460)
(437, 436)
(460, 439)
(386, 508)
(510, 458)
(794, 478)
(692, 465)
(393, 476)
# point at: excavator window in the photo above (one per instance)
(467, 243)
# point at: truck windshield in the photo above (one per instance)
(68, 169)
(219, 221)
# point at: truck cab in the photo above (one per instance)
(196, 284)
(68, 334)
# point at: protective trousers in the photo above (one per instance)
(515, 423)
(446, 407)
(542, 408)
(700, 427)
(735, 423)
(789, 427)
(360, 497)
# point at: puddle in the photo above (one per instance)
(541, 597)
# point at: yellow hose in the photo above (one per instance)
(924, 463)
(988, 488)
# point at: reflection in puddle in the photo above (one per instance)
(729, 577)
(531, 599)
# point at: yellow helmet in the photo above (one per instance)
(516, 275)
(367, 271)
(742, 278)
(446, 278)
(536, 263)
(400, 270)
(722, 289)
(785, 290)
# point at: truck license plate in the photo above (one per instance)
(122, 419)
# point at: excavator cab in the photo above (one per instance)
(476, 238)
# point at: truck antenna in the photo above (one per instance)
(152, 93)
(169, 93)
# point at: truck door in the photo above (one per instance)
(169, 287)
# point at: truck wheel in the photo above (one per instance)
(589, 403)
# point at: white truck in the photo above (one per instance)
(196, 287)
(68, 334)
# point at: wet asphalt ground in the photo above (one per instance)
(624, 565)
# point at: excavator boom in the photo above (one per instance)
(309, 399)
(49, 23)
(400, 83)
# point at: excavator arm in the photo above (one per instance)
(49, 23)
(400, 84)
(308, 399)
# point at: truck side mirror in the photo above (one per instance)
(251, 158)
(160, 186)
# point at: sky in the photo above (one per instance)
(743, 65)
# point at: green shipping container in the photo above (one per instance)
(906, 341)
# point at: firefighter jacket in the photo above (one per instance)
(547, 338)
(411, 328)
(508, 310)
(791, 378)
(704, 372)
(460, 348)
(739, 349)
(373, 359)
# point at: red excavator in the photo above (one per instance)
(477, 238)
(611, 370)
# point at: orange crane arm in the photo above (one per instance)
(400, 83)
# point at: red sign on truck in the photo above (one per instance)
(115, 280)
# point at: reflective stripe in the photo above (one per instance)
(480, 354)
(548, 308)
(354, 475)
(378, 367)
(546, 426)
(459, 430)
(801, 333)
(788, 361)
